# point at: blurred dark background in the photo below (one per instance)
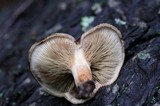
(23, 22)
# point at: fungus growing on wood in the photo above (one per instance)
(76, 70)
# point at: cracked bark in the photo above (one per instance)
(139, 81)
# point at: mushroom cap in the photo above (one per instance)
(51, 60)
(104, 49)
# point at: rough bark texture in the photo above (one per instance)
(28, 21)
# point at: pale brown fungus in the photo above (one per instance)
(76, 71)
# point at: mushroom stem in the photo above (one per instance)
(84, 85)
(81, 70)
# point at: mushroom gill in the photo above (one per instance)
(50, 61)
(76, 71)
(104, 50)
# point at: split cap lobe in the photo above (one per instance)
(77, 71)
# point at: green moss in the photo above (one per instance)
(153, 100)
(79, 1)
(143, 55)
(86, 21)
(119, 21)
(1, 95)
(13, 104)
(96, 8)
(0, 71)
(159, 90)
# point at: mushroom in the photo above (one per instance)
(74, 69)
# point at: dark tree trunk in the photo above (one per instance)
(27, 21)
